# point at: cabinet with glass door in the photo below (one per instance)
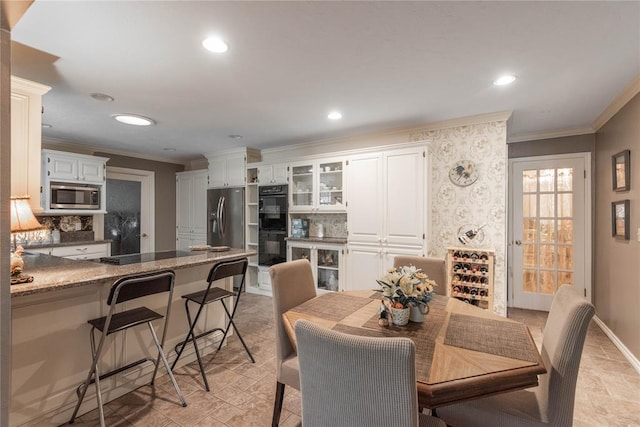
(317, 186)
(326, 262)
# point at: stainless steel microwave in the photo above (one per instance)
(74, 196)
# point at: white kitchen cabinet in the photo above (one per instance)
(273, 174)
(228, 169)
(83, 251)
(326, 262)
(251, 227)
(71, 167)
(26, 137)
(317, 186)
(191, 208)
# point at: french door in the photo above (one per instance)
(550, 240)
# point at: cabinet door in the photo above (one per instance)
(329, 265)
(280, 174)
(365, 207)
(62, 167)
(183, 241)
(390, 254)
(184, 220)
(91, 171)
(404, 197)
(199, 203)
(302, 186)
(365, 267)
(217, 172)
(236, 166)
(330, 185)
(265, 175)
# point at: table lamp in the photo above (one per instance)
(22, 219)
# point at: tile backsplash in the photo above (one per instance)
(335, 225)
(64, 223)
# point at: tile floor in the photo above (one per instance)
(608, 392)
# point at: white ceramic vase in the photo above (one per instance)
(400, 315)
(417, 313)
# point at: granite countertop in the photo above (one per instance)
(58, 245)
(336, 240)
(52, 273)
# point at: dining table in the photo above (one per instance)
(463, 352)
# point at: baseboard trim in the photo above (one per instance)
(614, 339)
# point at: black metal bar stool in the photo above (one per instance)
(126, 289)
(211, 294)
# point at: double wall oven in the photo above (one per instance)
(272, 226)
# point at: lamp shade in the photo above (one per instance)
(22, 218)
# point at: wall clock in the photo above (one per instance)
(463, 173)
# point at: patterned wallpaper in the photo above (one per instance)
(484, 202)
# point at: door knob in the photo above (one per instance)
(144, 235)
(518, 242)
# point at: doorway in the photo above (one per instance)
(129, 222)
(550, 228)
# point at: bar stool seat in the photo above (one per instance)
(211, 294)
(123, 290)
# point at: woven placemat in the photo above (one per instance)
(333, 306)
(508, 339)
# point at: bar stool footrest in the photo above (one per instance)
(116, 371)
(203, 334)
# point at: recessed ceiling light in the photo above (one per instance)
(47, 125)
(334, 115)
(215, 44)
(169, 149)
(133, 119)
(504, 80)
(235, 136)
(102, 97)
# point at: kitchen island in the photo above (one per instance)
(50, 335)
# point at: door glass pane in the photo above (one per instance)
(547, 205)
(122, 222)
(529, 206)
(565, 205)
(547, 230)
(330, 191)
(300, 253)
(530, 181)
(529, 279)
(547, 180)
(565, 278)
(529, 255)
(302, 181)
(547, 282)
(565, 231)
(547, 255)
(530, 231)
(328, 269)
(565, 257)
(565, 179)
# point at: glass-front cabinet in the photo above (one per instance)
(326, 262)
(317, 186)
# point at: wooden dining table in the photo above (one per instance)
(462, 352)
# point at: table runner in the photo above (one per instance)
(502, 338)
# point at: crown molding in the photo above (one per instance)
(18, 83)
(501, 116)
(548, 135)
(616, 105)
(55, 143)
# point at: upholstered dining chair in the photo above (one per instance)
(349, 380)
(435, 268)
(551, 402)
(291, 284)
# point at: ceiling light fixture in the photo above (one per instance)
(133, 119)
(504, 80)
(171, 149)
(215, 44)
(102, 97)
(47, 126)
(233, 136)
(334, 115)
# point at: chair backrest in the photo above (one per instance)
(562, 345)
(140, 285)
(291, 284)
(228, 269)
(435, 268)
(348, 380)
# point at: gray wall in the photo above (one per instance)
(165, 177)
(616, 269)
(545, 147)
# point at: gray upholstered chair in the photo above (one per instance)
(292, 284)
(435, 268)
(350, 381)
(551, 402)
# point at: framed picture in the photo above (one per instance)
(620, 219)
(621, 169)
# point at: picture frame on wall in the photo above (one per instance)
(620, 212)
(621, 171)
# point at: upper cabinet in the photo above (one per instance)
(228, 169)
(71, 167)
(317, 186)
(26, 136)
(273, 174)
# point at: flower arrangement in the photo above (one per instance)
(406, 286)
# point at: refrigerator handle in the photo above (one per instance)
(221, 215)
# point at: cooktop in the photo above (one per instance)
(145, 257)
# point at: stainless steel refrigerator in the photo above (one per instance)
(225, 217)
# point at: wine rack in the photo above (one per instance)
(471, 273)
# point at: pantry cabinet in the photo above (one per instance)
(26, 137)
(191, 209)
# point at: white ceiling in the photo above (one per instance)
(385, 65)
